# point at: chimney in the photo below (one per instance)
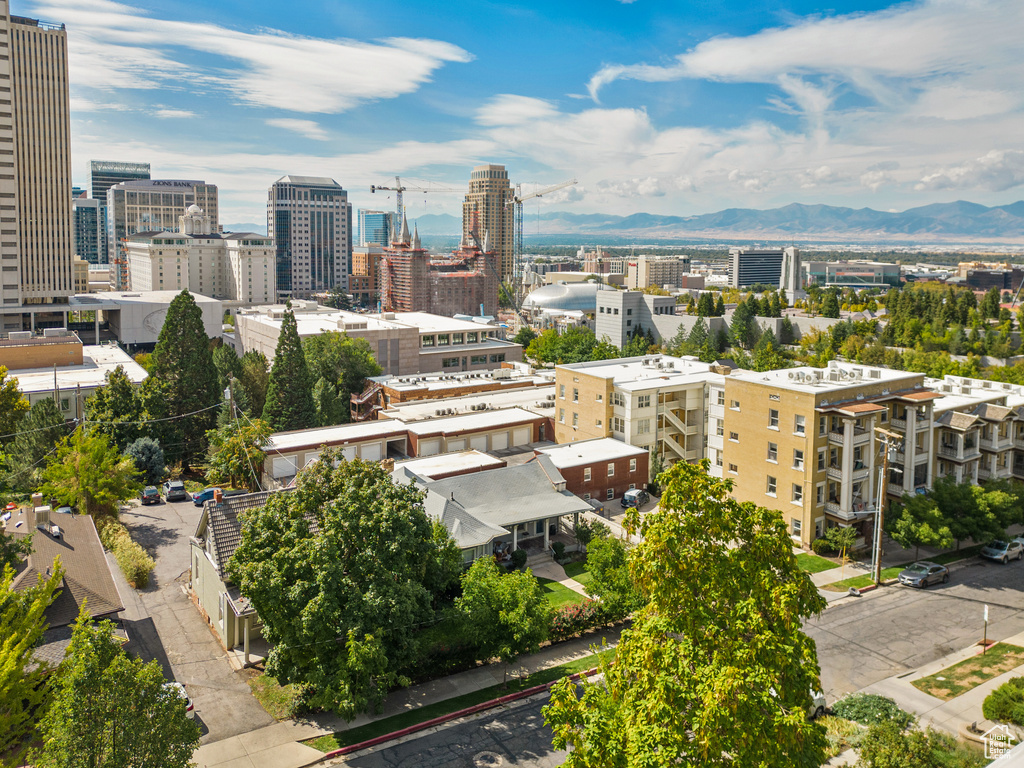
(218, 496)
(37, 500)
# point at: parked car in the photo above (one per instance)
(818, 705)
(65, 510)
(1003, 551)
(924, 573)
(204, 495)
(635, 497)
(178, 688)
(150, 495)
(174, 490)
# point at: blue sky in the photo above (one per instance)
(653, 105)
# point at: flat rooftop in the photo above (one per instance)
(97, 361)
(472, 421)
(447, 463)
(528, 398)
(112, 299)
(647, 372)
(312, 319)
(590, 451)
(837, 377)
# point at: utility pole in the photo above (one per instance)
(890, 440)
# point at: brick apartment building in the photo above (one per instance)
(601, 469)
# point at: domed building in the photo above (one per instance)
(579, 297)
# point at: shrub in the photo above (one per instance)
(1006, 703)
(559, 549)
(823, 546)
(519, 558)
(573, 619)
(870, 709)
(149, 459)
(135, 563)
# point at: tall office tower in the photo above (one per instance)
(35, 162)
(487, 212)
(310, 220)
(376, 227)
(150, 206)
(103, 174)
(779, 267)
(87, 228)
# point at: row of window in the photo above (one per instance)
(611, 470)
(445, 339)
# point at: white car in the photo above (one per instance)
(178, 688)
(818, 705)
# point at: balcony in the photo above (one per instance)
(984, 473)
(996, 443)
(1018, 469)
(834, 473)
(860, 436)
(1018, 441)
(898, 423)
(969, 452)
(849, 515)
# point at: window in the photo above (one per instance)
(773, 418)
(770, 489)
(498, 358)
(734, 437)
(643, 426)
(575, 395)
(798, 493)
(644, 401)
(798, 459)
(821, 459)
(611, 469)
(617, 399)
(457, 338)
(632, 486)
(822, 425)
(618, 425)
(442, 339)
(427, 341)
(448, 362)
(611, 494)
(819, 494)
(733, 469)
(721, 397)
(586, 497)
(773, 452)
(478, 359)
(597, 423)
(734, 405)
(575, 419)
(561, 415)
(800, 426)
(561, 391)
(586, 474)
(471, 337)
(719, 427)
(65, 404)
(599, 397)
(632, 465)
(794, 526)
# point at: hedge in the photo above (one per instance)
(574, 619)
(135, 563)
(1006, 703)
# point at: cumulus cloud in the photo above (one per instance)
(996, 171)
(166, 113)
(112, 45)
(308, 128)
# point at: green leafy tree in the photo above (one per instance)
(507, 613)
(610, 580)
(918, 522)
(290, 391)
(255, 379)
(13, 405)
(656, 465)
(331, 407)
(345, 362)
(38, 433)
(149, 459)
(116, 409)
(88, 472)
(236, 453)
(766, 354)
(524, 336)
(13, 549)
(23, 681)
(717, 654)
(342, 571)
(586, 530)
(182, 387)
(110, 709)
(829, 304)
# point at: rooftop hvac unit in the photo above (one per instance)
(20, 335)
(793, 374)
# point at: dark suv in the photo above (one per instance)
(635, 497)
(150, 495)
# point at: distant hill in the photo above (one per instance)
(259, 229)
(437, 224)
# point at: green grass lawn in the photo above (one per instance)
(813, 563)
(863, 581)
(578, 570)
(952, 557)
(970, 673)
(557, 594)
(415, 716)
(276, 699)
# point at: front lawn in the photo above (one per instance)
(557, 594)
(278, 700)
(863, 581)
(970, 673)
(814, 564)
(578, 570)
(952, 557)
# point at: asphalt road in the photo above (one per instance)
(897, 629)
(514, 735)
(165, 625)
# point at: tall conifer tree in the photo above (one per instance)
(290, 393)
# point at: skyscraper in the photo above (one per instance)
(310, 220)
(88, 230)
(486, 211)
(103, 174)
(35, 162)
(376, 227)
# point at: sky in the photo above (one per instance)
(651, 105)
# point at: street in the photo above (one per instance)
(864, 640)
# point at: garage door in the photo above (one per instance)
(478, 443)
(458, 444)
(370, 452)
(521, 436)
(283, 466)
(430, 447)
(499, 441)
(348, 452)
(310, 457)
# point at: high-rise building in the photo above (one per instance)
(661, 271)
(310, 220)
(486, 213)
(376, 227)
(103, 174)
(35, 162)
(87, 229)
(150, 206)
(778, 267)
(405, 274)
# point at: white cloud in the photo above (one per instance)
(112, 46)
(308, 128)
(167, 112)
(997, 171)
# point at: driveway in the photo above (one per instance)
(864, 640)
(164, 625)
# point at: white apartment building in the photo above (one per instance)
(234, 267)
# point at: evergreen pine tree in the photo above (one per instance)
(720, 307)
(330, 406)
(786, 335)
(698, 334)
(691, 307)
(183, 380)
(705, 305)
(115, 409)
(289, 394)
(38, 432)
(776, 306)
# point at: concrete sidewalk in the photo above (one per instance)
(554, 572)
(277, 745)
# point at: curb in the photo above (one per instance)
(442, 719)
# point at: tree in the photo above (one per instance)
(149, 459)
(525, 335)
(886, 745)
(744, 329)
(12, 550)
(918, 522)
(786, 335)
(829, 304)
(610, 580)
(236, 453)
(506, 612)
(586, 531)
(342, 571)
(110, 709)
(345, 362)
(990, 304)
(655, 465)
(255, 378)
(716, 669)
(182, 387)
(698, 334)
(227, 363)
(720, 307)
(766, 354)
(290, 392)
(13, 405)
(88, 472)
(38, 433)
(705, 305)
(23, 681)
(116, 409)
(331, 407)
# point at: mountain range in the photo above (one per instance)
(939, 222)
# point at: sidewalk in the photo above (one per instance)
(553, 571)
(277, 745)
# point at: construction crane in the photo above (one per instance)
(399, 188)
(517, 240)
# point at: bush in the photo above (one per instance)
(823, 546)
(870, 709)
(573, 619)
(149, 459)
(559, 549)
(519, 558)
(135, 563)
(1006, 703)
